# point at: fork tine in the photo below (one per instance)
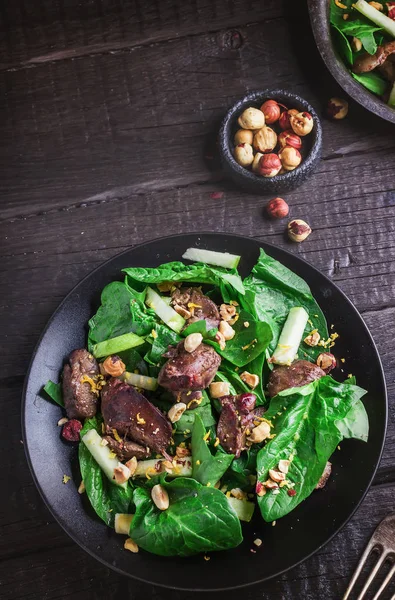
(359, 568)
(373, 574)
(386, 581)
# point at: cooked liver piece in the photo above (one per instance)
(201, 306)
(237, 414)
(133, 416)
(299, 373)
(367, 62)
(79, 399)
(127, 449)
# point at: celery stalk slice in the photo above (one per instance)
(140, 381)
(151, 467)
(106, 459)
(122, 523)
(376, 16)
(219, 259)
(116, 344)
(164, 311)
(291, 336)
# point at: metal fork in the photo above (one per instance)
(382, 540)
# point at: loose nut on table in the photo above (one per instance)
(298, 230)
(277, 208)
(337, 109)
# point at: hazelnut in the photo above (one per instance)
(290, 158)
(376, 5)
(269, 165)
(326, 361)
(227, 331)
(182, 452)
(277, 208)
(160, 497)
(337, 109)
(183, 312)
(62, 421)
(227, 311)
(265, 140)
(255, 162)
(243, 136)
(219, 337)
(192, 341)
(238, 493)
(289, 138)
(271, 485)
(271, 110)
(132, 465)
(302, 123)
(218, 389)
(356, 44)
(244, 154)
(276, 476)
(284, 121)
(259, 433)
(121, 473)
(283, 466)
(250, 379)
(251, 118)
(298, 230)
(81, 488)
(113, 366)
(260, 489)
(131, 546)
(176, 411)
(313, 338)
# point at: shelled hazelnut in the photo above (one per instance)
(337, 109)
(269, 165)
(298, 230)
(271, 110)
(290, 158)
(265, 140)
(277, 208)
(243, 136)
(251, 118)
(244, 154)
(302, 123)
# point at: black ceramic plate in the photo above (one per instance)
(296, 536)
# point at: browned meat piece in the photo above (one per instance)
(133, 416)
(197, 304)
(80, 397)
(324, 477)
(299, 373)
(387, 69)
(367, 62)
(189, 371)
(237, 415)
(126, 449)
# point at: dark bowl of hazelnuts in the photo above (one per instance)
(270, 141)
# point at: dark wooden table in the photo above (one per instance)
(109, 116)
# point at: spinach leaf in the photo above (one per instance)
(228, 373)
(199, 519)
(133, 361)
(248, 343)
(227, 280)
(113, 317)
(355, 424)
(306, 427)
(343, 45)
(372, 81)
(242, 471)
(162, 338)
(204, 411)
(272, 290)
(54, 391)
(361, 30)
(206, 468)
(106, 498)
(200, 327)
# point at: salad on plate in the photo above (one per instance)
(202, 398)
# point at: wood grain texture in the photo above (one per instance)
(110, 112)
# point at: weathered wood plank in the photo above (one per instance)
(67, 571)
(56, 31)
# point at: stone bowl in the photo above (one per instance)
(244, 177)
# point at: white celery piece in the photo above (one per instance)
(379, 18)
(290, 337)
(151, 467)
(122, 523)
(106, 459)
(391, 100)
(164, 311)
(140, 381)
(219, 259)
(243, 508)
(116, 344)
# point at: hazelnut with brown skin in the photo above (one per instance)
(113, 366)
(265, 140)
(337, 109)
(313, 338)
(356, 44)
(326, 361)
(284, 118)
(243, 136)
(277, 208)
(244, 154)
(251, 118)
(302, 123)
(298, 230)
(271, 110)
(255, 162)
(289, 138)
(269, 165)
(290, 158)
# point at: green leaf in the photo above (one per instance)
(355, 424)
(343, 45)
(185, 423)
(113, 317)
(106, 498)
(199, 519)
(306, 427)
(372, 81)
(272, 290)
(368, 42)
(206, 468)
(200, 327)
(54, 391)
